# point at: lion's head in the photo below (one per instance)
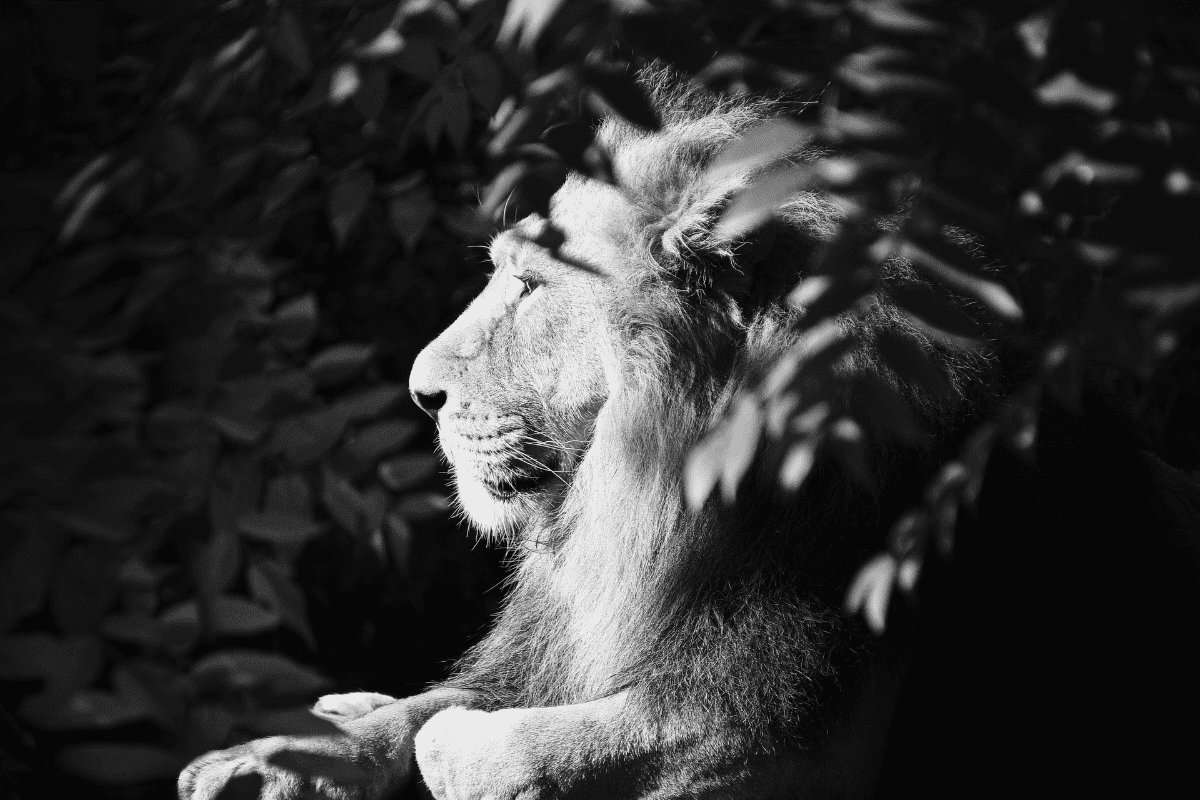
(622, 317)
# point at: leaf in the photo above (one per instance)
(289, 493)
(1019, 420)
(756, 204)
(138, 629)
(270, 585)
(113, 764)
(1066, 89)
(524, 21)
(372, 93)
(370, 402)
(620, 92)
(892, 16)
(456, 117)
(217, 563)
(937, 316)
(741, 443)
(180, 625)
(406, 471)
(482, 76)
(280, 529)
(86, 175)
(387, 43)
(1165, 299)
(871, 590)
(291, 43)
(232, 615)
(419, 58)
(295, 322)
(303, 438)
(84, 589)
(82, 211)
(343, 502)
(759, 147)
(846, 442)
(347, 200)
(703, 468)
(270, 674)
(380, 438)
(344, 83)
(244, 431)
(408, 217)
(287, 183)
(989, 293)
(399, 536)
(86, 709)
(434, 123)
(95, 523)
(234, 168)
(912, 364)
(178, 151)
(798, 463)
(338, 363)
(422, 506)
(909, 533)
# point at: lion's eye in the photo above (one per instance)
(519, 287)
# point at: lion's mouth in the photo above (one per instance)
(510, 487)
(503, 465)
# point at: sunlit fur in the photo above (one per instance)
(731, 614)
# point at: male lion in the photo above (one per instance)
(648, 651)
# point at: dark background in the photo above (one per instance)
(227, 229)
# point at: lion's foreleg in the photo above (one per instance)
(371, 757)
(602, 749)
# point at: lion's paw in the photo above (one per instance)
(353, 705)
(478, 755)
(278, 768)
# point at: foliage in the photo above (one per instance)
(220, 255)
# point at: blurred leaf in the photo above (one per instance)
(295, 322)
(178, 151)
(338, 363)
(846, 442)
(84, 589)
(86, 175)
(759, 147)
(304, 438)
(380, 438)
(234, 168)
(347, 200)
(399, 536)
(905, 356)
(408, 217)
(422, 506)
(406, 471)
(82, 212)
(524, 21)
(798, 463)
(218, 563)
(139, 629)
(271, 585)
(967, 280)
(871, 590)
(372, 92)
(289, 493)
(756, 204)
(279, 528)
(180, 625)
(232, 615)
(741, 442)
(456, 117)
(894, 16)
(1066, 89)
(112, 764)
(256, 671)
(419, 58)
(343, 502)
(83, 710)
(344, 83)
(243, 431)
(936, 316)
(291, 43)
(290, 180)
(482, 77)
(370, 402)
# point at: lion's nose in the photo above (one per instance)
(423, 385)
(429, 402)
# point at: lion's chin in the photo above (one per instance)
(494, 510)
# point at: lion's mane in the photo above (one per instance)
(733, 615)
(734, 612)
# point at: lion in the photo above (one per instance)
(649, 650)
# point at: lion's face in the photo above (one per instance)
(516, 382)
